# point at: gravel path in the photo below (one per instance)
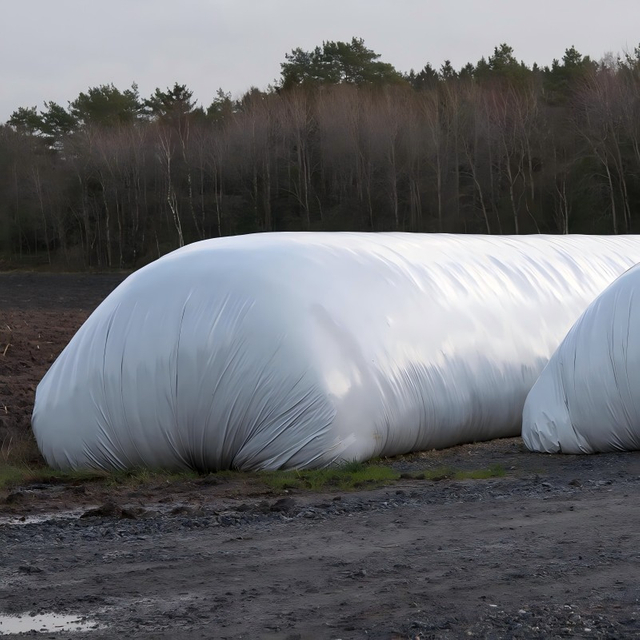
(524, 556)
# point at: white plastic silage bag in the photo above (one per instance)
(587, 399)
(298, 349)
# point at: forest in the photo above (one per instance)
(343, 141)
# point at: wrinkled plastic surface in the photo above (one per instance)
(298, 349)
(587, 399)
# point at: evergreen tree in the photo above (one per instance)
(504, 66)
(171, 105)
(425, 79)
(51, 125)
(335, 63)
(106, 105)
(57, 121)
(447, 72)
(221, 108)
(562, 80)
(26, 120)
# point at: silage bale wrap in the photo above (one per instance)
(587, 398)
(295, 350)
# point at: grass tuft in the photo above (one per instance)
(11, 475)
(18, 448)
(353, 466)
(144, 476)
(344, 477)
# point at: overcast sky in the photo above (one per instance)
(54, 49)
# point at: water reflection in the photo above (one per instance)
(44, 623)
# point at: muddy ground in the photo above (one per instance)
(549, 550)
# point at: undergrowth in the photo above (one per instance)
(347, 476)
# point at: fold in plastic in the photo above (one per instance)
(587, 399)
(299, 349)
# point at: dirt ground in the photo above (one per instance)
(39, 314)
(549, 550)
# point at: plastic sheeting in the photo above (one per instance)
(587, 399)
(298, 349)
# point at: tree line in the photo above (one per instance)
(342, 142)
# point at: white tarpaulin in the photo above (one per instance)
(587, 399)
(298, 349)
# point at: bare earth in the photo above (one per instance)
(550, 550)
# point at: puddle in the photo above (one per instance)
(41, 517)
(44, 623)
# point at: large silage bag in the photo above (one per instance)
(587, 399)
(299, 349)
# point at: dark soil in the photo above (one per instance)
(550, 550)
(39, 314)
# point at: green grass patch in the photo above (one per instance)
(346, 477)
(11, 475)
(450, 473)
